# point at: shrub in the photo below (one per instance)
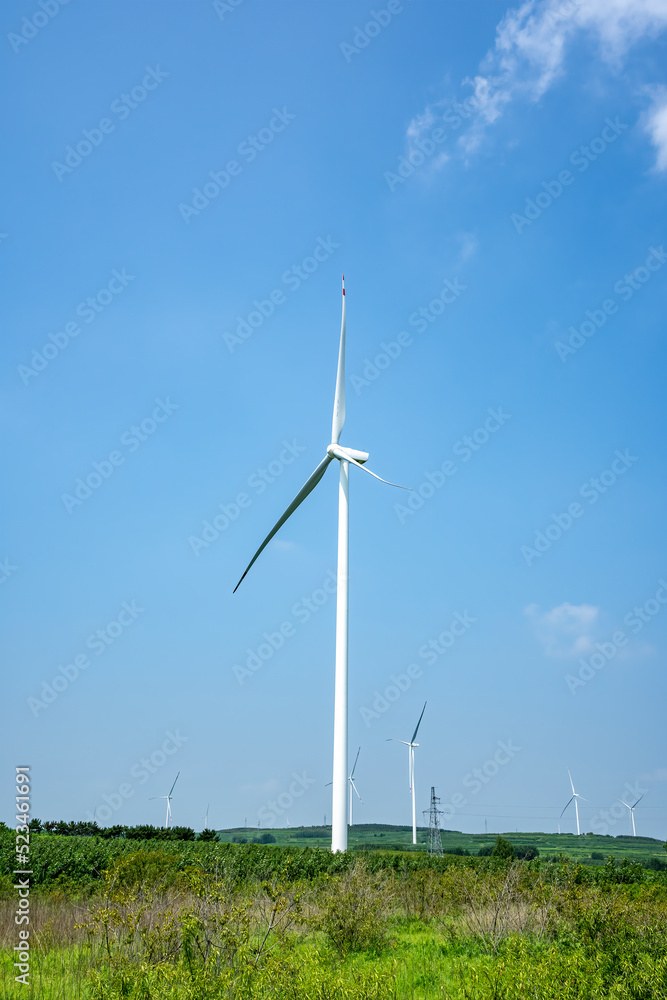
(264, 838)
(503, 850)
(352, 909)
(207, 835)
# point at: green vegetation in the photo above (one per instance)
(202, 920)
(399, 838)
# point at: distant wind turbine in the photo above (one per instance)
(350, 778)
(632, 812)
(411, 771)
(575, 798)
(345, 457)
(353, 787)
(206, 819)
(168, 798)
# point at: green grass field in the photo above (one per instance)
(123, 919)
(385, 837)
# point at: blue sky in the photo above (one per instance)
(492, 182)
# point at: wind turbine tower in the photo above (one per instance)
(345, 458)
(575, 798)
(411, 771)
(167, 821)
(353, 787)
(632, 813)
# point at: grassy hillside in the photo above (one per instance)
(380, 836)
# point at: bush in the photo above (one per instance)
(264, 838)
(503, 850)
(207, 835)
(352, 908)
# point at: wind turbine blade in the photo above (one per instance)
(569, 800)
(174, 785)
(343, 455)
(571, 781)
(404, 742)
(622, 801)
(339, 398)
(355, 788)
(638, 801)
(307, 488)
(355, 764)
(414, 735)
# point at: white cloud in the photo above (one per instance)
(655, 124)
(566, 630)
(529, 55)
(469, 245)
(284, 546)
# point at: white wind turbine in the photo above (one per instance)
(168, 798)
(411, 771)
(206, 819)
(575, 797)
(353, 787)
(346, 457)
(350, 778)
(632, 812)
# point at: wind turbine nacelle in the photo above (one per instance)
(358, 456)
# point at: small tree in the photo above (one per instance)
(503, 850)
(527, 853)
(207, 835)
